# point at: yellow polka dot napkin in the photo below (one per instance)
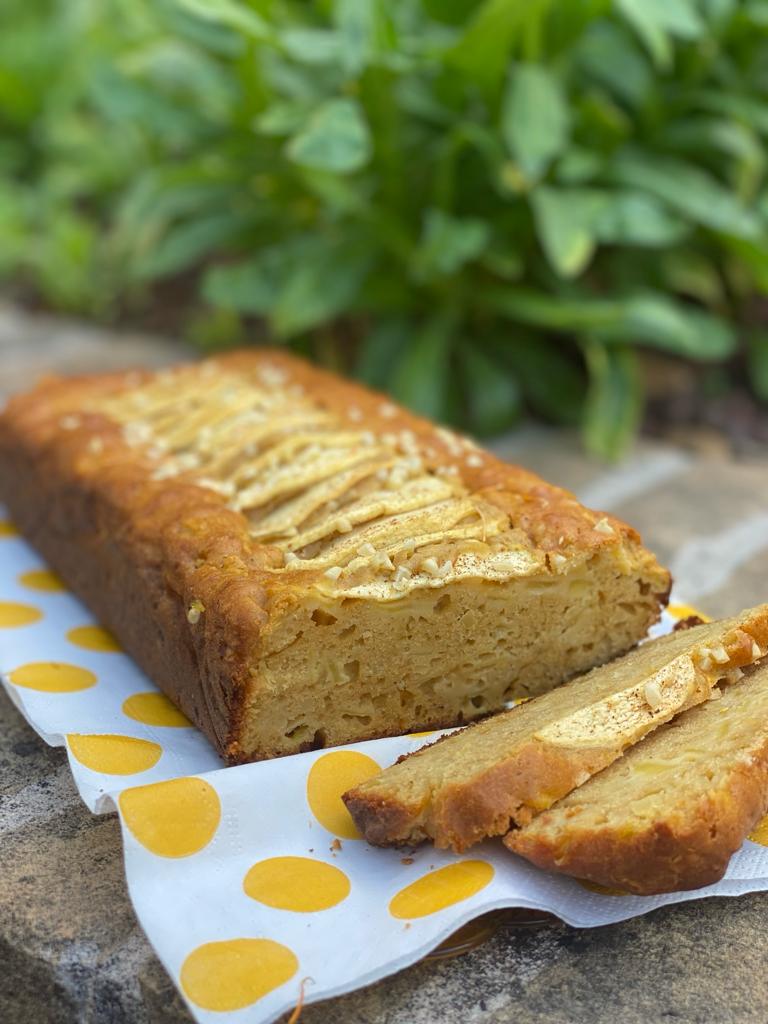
(252, 883)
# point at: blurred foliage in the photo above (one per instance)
(486, 207)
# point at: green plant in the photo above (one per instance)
(486, 207)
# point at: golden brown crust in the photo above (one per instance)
(681, 853)
(141, 550)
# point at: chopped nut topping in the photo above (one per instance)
(387, 410)
(603, 526)
(69, 422)
(382, 560)
(137, 432)
(366, 550)
(557, 559)
(95, 445)
(355, 414)
(194, 611)
(756, 652)
(334, 572)
(652, 693)
(475, 461)
(720, 655)
(343, 525)
(291, 557)
(429, 565)
(272, 376)
(715, 694)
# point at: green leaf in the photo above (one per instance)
(717, 10)
(452, 12)
(241, 287)
(757, 362)
(448, 243)
(186, 243)
(757, 12)
(357, 22)
(230, 13)
(552, 380)
(312, 45)
(493, 400)
(656, 20)
(382, 348)
(482, 52)
(420, 380)
(634, 218)
(320, 282)
(688, 190)
(648, 319)
(565, 220)
(614, 399)
(662, 323)
(750, 109)
(336, 138)
(298, 284)
(535, 121)
(610, 56)
(577, 166)
(553, 312)
(690, 272)
(284, 117)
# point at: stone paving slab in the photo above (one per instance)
(71, 950)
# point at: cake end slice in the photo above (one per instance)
(670, 813)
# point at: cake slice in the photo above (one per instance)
(500, 772)
(671, 812)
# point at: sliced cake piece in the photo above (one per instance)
(671, 812)
(500, 772)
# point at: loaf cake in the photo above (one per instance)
(298, 562)
(503, 770)
(671, 812)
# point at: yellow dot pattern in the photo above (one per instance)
(172, 819)
(154, 709)
(760, 833)
(330, 776)
(684, 611)
(235, 973)
(299, 884)
(440, 889)
(53, 677)
(43, 580)
(114, 755)
(13, 614)
(93, 638)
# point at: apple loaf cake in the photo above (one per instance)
(502, 771)
(671, 812)
(298, 562)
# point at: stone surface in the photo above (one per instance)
(71, 950)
